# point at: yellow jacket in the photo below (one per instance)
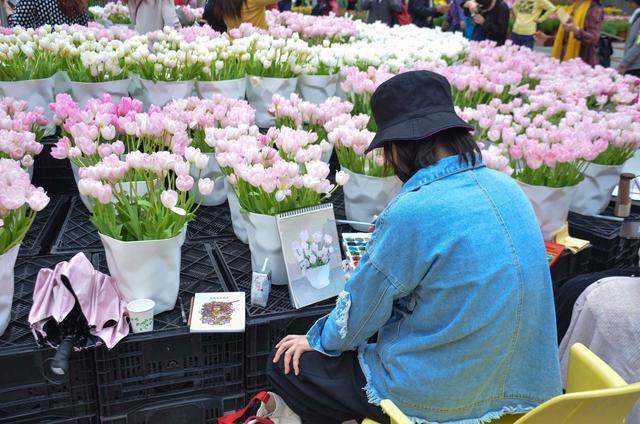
(253, 12)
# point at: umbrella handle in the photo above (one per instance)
(60, 364)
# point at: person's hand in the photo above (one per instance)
(292, 347)
(570, 26)
(478, 19)
(621, 69)
(541, 37)
(472, 6)
(443, 8)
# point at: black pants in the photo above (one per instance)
(327, 390)
(634, 72)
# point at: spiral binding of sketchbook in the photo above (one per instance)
(304, 211)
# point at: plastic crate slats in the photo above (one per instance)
(44, 227)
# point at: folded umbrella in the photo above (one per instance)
(75, 306)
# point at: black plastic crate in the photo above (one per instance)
(169, 361)
(210, 222)
(45, 225)
(77, 234)
(203, 408)
(199, 273)
(235, 263)
(260, 342)
(29, 391)
(88, 419)
(54, 175)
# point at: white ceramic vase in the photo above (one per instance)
(264, 242)
(238, 219)
(366, 197)
(318, 277)
(7, 263)
(551, 206)
(231, 89)
(159, 93)
(260, 91)
(148, 269)
(85, 91)
(318, 88)
(219, 194)
(593, 194)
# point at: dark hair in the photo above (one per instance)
(72, 8)
(408, 157)
(224, 8)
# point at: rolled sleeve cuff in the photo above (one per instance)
(314, 337)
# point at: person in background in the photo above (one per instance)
(490, 19)
(152, 15)
(455, 16)
(455, 282)
(284, 5)
(423, 11)
(580, 35)
(528, 13)
(5, 11)
(35, 13)
(382, 10)
(236, 12)
(215, 22)
(631, 60)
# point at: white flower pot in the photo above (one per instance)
(551, 206)
(219, 194)
(85, 91)
(326, 156)
(366, 197)
(148, 269)
(593, 194)
(318, 277)
(86, 201)
(159, 93)
(37, 93)
(238, 219)
(318, 88)
(231, 89)
(260, 91)
(7, 263)
(264, 242)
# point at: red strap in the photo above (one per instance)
(236, 416)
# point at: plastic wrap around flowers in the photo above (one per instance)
(19, 202)
(312, 251)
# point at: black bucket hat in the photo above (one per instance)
(412, 106)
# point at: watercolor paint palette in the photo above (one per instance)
(355, 244)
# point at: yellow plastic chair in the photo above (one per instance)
(595, 394)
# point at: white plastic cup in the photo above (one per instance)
(141, 315)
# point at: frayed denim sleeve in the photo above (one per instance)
(362, 308)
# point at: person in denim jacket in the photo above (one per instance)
(455, 283)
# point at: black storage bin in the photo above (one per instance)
(44, 227)
(29, 391)
(169, 364)
(54, 175)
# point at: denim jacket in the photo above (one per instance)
(456, 283)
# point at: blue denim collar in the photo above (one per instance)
(445, 167)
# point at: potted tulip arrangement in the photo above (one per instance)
(273, 68)
(29, 62)
(19, 202)
(359, 87)
(200, 115)
(268, 184)
(299, 114)
(20, 132)
(321, 76)
(601, 175)
(371, 184)
(142, 231)
(222, 68)
(96, 66)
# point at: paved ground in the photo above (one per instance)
(618, 50)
